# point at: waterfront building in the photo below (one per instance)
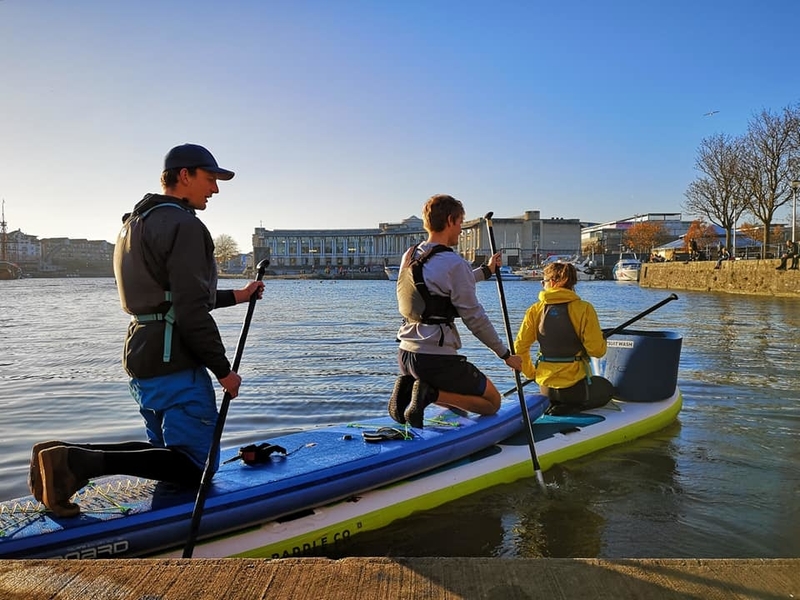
(523, 240)
(298, 250)
(23, 249)
(77, 255)
(610, 236)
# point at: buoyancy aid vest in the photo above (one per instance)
(558, 341)
(140, 294)
(414, 299)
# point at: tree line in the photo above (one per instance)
(748, 175)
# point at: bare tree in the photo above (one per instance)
(769, 142)
(719, 194)
(225, 248)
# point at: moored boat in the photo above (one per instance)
(585, 269)
(391, 272)
(627, 268)
(530, 274)
(9, 270)
(508, 274)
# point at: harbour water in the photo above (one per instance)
(723, 481)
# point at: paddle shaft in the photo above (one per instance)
(670, 298)
(523, 406)
(610, 333)
(205, 482)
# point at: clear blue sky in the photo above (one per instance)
(348, 113)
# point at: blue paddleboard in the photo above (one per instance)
(126, 516)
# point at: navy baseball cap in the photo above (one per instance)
(194, 156)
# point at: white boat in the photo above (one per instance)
(584, 267)
(391, 272)
(530, 274)
(627, 268)
(586, 271)
(507, 274)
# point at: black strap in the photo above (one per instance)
(438, 309)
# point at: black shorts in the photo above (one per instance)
(446, 372)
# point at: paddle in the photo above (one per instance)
(205, 481)
(644, 313)
(523, 406)
(608, 334)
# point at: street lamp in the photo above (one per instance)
(795, 184)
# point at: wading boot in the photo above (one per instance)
(422, 395)
(34, 478)
(63, 472)
(401, 396)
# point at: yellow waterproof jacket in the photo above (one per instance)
(583, 318)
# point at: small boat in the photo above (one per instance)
(627, 269)
(508, 274)
(586, 271)
(530, 274)
(391, 272)
(9, 270)
(331, 483)
(584, 268)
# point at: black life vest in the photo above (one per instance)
(414, 299)
(140, 293)
(558, 341)
(139, 290)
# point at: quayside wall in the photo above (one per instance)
(757, 277)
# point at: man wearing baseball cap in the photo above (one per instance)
(194, 156)
(167, 281)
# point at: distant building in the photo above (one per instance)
(523, 240)
(23, 249)
(238, 264)
(79, 255)
(610, 236)
(319, 249)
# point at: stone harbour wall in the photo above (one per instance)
(757, 277)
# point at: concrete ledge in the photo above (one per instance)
(412, 578)
(757, 277)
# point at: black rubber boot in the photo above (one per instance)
(401, 396)
(422, 395)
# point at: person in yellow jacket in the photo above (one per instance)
(568, 333)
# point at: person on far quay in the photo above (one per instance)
(166, 277)
(723, 256)
(790, 252)
(432, 370)
(568, 332)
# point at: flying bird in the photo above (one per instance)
(711, 114)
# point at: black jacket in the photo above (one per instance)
(169, 249)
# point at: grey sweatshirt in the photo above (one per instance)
(447, 274)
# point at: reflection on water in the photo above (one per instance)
(720, 482)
